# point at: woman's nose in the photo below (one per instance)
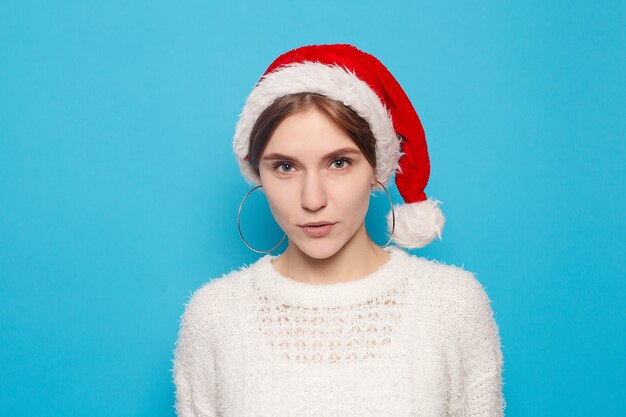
(313, 193)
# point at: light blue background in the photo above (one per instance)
(119, 189)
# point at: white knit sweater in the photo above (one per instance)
(414, 338)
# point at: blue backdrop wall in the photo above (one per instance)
(119, 189)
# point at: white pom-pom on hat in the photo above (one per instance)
(416, 224)
(358, 80)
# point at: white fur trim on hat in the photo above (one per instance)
(332, 81)
(417, 224)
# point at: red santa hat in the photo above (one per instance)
(358, 80)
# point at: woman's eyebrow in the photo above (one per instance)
(342, 151)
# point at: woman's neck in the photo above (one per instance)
(357, 258)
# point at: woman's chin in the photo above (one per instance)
(319, 248)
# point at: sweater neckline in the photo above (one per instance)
(343, 293)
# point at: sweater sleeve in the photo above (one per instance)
(193, 371)
(481, 354)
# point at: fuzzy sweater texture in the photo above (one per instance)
(415, 338)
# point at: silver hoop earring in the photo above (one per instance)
(393, 217)
(241, 233)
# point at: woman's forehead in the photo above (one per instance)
(311, 132)
(349, 151)
(320, 147)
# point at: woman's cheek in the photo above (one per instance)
(281, 208)
(356, 188)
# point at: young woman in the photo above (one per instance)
(337, 325)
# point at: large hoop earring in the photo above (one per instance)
(393, 217)
(241, 233)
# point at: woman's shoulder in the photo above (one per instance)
(452, 294)
(447, 282)
(217, 294)
(228, 284)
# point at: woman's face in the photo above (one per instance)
(312, 172)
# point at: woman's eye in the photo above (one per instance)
(341, 162)
(285, 165)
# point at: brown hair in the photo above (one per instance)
(344, 116)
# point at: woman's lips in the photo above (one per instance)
(317, 231)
